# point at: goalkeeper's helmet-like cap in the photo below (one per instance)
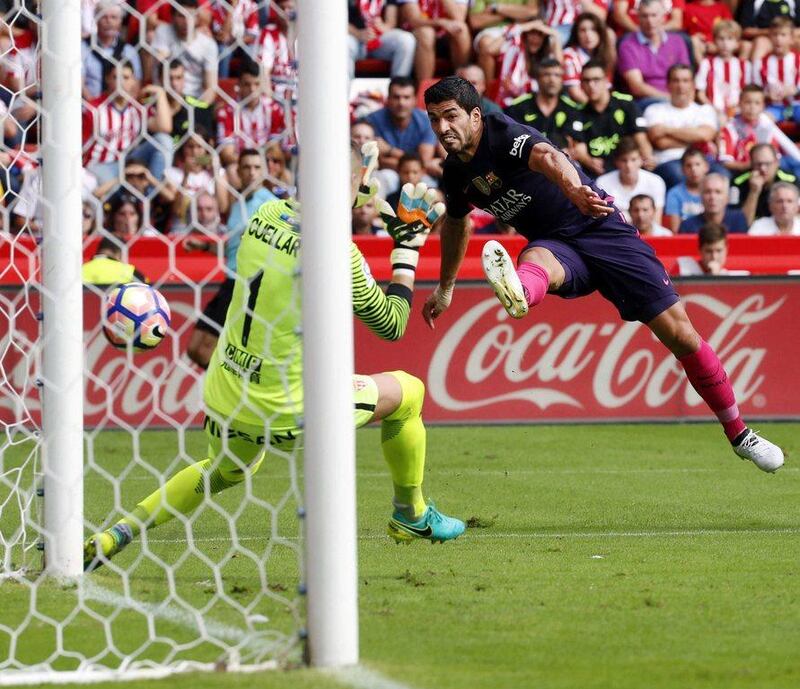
(453, 88)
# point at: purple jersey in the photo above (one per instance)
(498, 180)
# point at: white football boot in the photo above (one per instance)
(765, 455)
(502, 276)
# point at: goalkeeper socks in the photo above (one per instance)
(403, 444)
(708, 378)
(535, 280)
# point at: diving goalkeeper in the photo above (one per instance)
(253, 389)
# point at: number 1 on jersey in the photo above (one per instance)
(254, 286)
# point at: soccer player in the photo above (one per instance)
(253, 389)
(578, 242)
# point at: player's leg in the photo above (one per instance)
(395, 398)
(708, 377)
(234, 451)
(544, 266)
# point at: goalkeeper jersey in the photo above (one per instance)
(255, 373)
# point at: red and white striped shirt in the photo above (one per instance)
(250, 128)
(722, 80)
(514, 77)
(244, 18)
(277, 58)
(773, 69)
(564, 11)
(109, 129)
(738, 137)
(574, 60)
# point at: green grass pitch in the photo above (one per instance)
(613, 557)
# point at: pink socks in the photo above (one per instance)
(709, 379)
(535, 280)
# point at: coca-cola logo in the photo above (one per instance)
(539, 364)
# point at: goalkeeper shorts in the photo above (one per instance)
(241, 444)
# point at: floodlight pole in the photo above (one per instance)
(331, 567)
(62, 292)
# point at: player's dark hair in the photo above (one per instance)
(402, 82)
(752, 88)
(626, 146)
(601, 52)
(677, 68)
(408, 158)
(454, 88)
(250, 68)
(547, 63)
(643, 197)
(593, 64)
(710, 233)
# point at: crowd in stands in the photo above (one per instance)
(686, 112)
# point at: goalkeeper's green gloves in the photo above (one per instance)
(367, 187)
(417, 211)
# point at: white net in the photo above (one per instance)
(173, 93)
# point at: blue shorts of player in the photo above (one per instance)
(610, 257)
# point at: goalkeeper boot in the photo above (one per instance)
(432, 526)
(765, 455)
(502, 276)
(99, 548)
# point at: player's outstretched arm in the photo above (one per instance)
(387, 314)
(553, 164)
(455, 238)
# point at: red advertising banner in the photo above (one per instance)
(566, 361)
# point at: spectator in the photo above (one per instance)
(646, 55)
(432, 20)
(235, 27)
(475, 76)
(626, 13)
(208, 219)
(562, 15)
(549, 110)
(755, 17)
(489, 20)
(629, 179)
(124, 218)
(253, 121)
(714, 193)
(642, 214)
(721, 76)
(783, 209)
(106, 49)
(712, 240)
(279, 179)
(700, 18)
(588, 40)
(366, 220)
(107, 266)
(753, 126)
(779, 71)
(674, 126)
(683, 200)
(91, 216)
(409, 170)
(750, 190)
(181, 40)
(603, 121)
(196, 169)
(374, 33)
(528, 45)
(401, 127)
(189, 114)
(276, 54)
(360, 133)
(115, 122)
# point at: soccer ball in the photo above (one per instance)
(135, 315)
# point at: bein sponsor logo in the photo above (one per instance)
(589, 364)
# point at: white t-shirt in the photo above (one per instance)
(195, 181)
(647, 183)
(688, 266)
(767, 227)
(692, 116)
(659, 231)
(198, 55)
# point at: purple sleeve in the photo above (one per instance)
(627, 58)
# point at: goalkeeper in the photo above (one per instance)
(253, 389)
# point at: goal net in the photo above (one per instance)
(169, 101)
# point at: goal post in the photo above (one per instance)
(62, 291)
(328, 326)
